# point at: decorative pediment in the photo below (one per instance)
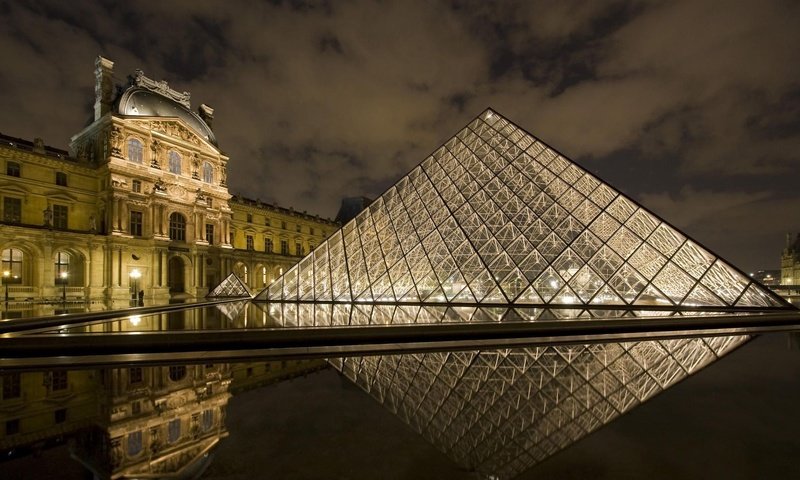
(14, 188)
(60, 196)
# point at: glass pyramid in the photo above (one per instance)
(230, 287)
(495, 216)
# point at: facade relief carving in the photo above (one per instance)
(115, 140)
(174, 129)
(157, 149)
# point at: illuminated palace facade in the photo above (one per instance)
(139, 203)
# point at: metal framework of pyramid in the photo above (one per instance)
(495, 216)
(230, 287)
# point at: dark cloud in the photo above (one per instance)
(692, 101)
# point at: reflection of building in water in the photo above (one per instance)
(131, 422)
(140, 202)
(40, 409)
(156, 421)
(501, 412)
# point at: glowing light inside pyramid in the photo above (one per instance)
(231, 286)
(495, 216)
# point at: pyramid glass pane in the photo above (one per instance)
(495, 216)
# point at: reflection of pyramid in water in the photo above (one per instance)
(495, 216)
(501, 412)
(231, 287)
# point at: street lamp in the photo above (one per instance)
(6, 274)
(64, 276)
(135, 275)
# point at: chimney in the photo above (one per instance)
(207, 114)
(38, 145)
(103, 86)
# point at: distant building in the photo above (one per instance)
(350, 207)
(790, 261)
(140, 202)
(770, 278)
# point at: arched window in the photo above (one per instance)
(174, 162)
(12, 263)
(177, 227)
(135, 150)
(62, 268)
(208, 173)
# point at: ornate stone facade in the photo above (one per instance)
(139, 203)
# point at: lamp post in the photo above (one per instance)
(135, 275)
(64, 276)
(6, 274)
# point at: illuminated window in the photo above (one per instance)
(208, 173)
(12, 209)
(135, 151)
(136, 186)
(12, 169)
(60, 216)
(61, 179)
(177, 227)
(174, 162)
(12, 263)
(62, 267)
(136, 223)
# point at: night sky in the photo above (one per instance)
(691, 107)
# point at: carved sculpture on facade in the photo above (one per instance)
(174, 129)
(115, 140)
(140, 80)
(156, 148)
(159, 186)
(47, 213)
(223, 177)
(195, 166)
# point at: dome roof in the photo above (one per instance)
(138, 101)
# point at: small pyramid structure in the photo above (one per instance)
(230, 287)
(495, 216)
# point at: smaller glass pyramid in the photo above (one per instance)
(231, 287)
